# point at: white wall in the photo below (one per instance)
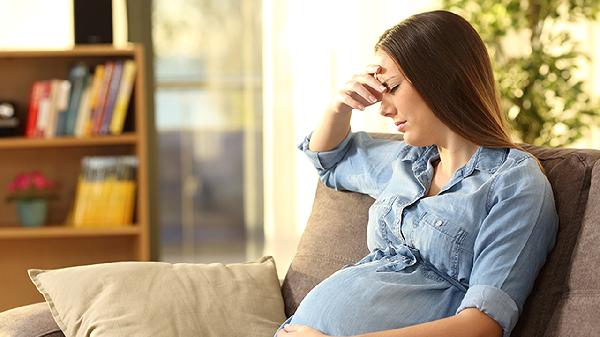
(43, 24)
(36, 24)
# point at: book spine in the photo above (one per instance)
(43, 109)
(32, 115)
(122, 104)
(111, 97)
(50, 126)
(80, 207)
(63, 88)
(84, 109)
(86, 129)
(102, 97)
(78, 79)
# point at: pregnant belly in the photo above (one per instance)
(359, 299)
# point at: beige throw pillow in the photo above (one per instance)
(163, 299)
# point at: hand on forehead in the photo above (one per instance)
(384, 66)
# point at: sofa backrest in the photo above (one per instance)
(567, 289)
(578, 309)
(570, 174)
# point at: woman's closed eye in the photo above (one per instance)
(393, 89)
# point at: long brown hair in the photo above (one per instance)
(446, 61)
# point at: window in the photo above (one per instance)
(208, 115)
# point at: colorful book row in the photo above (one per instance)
(84, 105)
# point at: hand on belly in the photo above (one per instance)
(298, 330)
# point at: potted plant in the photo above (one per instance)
(545, 102)
(31, 192)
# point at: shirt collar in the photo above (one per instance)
(484, 159)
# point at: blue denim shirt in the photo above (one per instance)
(479, 243)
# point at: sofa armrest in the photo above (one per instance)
(34, 320)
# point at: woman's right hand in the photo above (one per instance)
(363, 90)
(358, 93)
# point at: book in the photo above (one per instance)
(43, 108)
(98, 113)
(32, 114)
(122, 104)
(61, 90)
(85, 124)
(111, 97)
(83, 111)
(78, 79)
(50, 109)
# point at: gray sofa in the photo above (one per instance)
(565, 301)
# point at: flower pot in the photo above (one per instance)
(32, 212)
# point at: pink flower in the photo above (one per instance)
(22, 181)
(39, 181)
(28, 185)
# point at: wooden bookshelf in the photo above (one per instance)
(56, 245)
(58, 231)
(23, 143)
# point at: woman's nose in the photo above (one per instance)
(386, 109)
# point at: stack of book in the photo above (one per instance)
(105, 192)
(84, 105)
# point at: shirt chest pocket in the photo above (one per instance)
(440, 242)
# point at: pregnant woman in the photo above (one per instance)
(463, 218)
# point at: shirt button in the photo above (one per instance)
(438, 223)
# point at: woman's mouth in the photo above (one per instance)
(401, 126)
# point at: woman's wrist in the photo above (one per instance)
(338, 109)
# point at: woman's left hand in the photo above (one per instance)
(297, 330)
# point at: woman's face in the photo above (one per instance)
(404, 105)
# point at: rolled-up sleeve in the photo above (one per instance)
(324, 160)
(359, 163)
(512, 244)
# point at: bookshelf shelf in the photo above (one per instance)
(60, 158)
(53, 231)
(78, 51)
(23, 142)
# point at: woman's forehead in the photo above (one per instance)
(389, 68)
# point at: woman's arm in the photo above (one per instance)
(468, 323)
(333, 129)
(335, 125)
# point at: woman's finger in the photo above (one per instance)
(291, 327)
(347, 99)
(362, 91)
(373, 68)
(371, 81)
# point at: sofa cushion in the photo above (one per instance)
(341, 217)
(163, 299)
(32, 320)
(334, 236)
